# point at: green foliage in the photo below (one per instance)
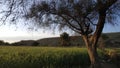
(65, 39)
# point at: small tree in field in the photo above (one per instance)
(65, 39)
(86, 17)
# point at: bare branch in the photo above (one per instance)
(91, 21)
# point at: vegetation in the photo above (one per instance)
(46, 57)
(42, 57)
(3, 43)
(106, 40)
(86, 17)
(112, 56)
(65, 39)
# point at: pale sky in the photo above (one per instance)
(9, 33)
(13, 33)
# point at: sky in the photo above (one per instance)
(9, 33)
(13, 33)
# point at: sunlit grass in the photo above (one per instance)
(43, 57)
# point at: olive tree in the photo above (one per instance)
(86, 17)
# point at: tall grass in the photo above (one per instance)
(43, 57)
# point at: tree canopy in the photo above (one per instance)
(79, 15)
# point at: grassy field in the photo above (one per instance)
(43, 57)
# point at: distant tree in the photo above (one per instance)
(86, 17)
(2, 42)
(35, 43)
(6, 43)
(65, 39)
(15, 44)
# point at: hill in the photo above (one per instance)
(114, 36)
(74, 40)
(113, 40)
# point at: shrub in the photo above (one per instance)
(112, 56)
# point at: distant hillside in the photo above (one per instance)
(26, 43)
(74, 40)
(112, 41)
(114, 36)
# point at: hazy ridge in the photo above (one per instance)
(113, 41)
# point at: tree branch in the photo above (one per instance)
(91, 21)
(67, 21)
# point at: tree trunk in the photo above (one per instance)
(91, 42)
(92, 52)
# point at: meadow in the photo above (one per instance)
(44, 57)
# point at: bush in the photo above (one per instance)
(112, 56)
